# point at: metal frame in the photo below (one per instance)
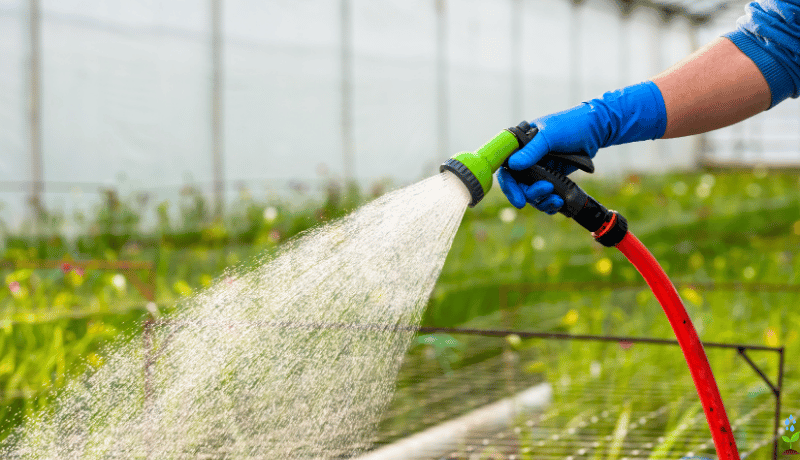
(600, 286)
(152, 354)
(147, 286)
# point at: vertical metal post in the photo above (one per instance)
(778, 406)
(216, 107)
(516, 61)
(35, 121)
(575, 52)
(700, 144)
(626, 9)
(348, 142)
(442, 101)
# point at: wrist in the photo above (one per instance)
(634, 113)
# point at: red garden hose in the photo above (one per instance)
(609, 228)
(690, 344)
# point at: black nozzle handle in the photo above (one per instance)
(609, 227)
(574, 197)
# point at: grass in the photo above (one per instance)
(729, 227)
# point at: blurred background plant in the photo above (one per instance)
(330, 104)
(702, 226)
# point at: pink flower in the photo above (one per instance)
(79, 271)
(625, 344)
(14, 287)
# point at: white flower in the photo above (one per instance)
(595, 369)
(508, 215)
(270, 213)
(118, 281)
(703, 190)
(708, 179)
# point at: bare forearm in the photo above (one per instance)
(716, 86)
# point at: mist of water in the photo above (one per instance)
(291, 357)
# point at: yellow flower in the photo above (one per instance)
(770, 337)
(535, 367)
(514, 340)
(74, 278)
(94, 360)
(570, 318)
(182, 288)
(692, 296)
(62, 299)
(603, 266)
(95, 328)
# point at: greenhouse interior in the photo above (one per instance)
(227, 231)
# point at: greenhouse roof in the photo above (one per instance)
(697, 7)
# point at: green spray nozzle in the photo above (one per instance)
(475, 169)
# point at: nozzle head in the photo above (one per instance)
(475, 169)
(467, 177)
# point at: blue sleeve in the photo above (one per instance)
(769, 34)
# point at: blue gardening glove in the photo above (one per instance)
(630, 114)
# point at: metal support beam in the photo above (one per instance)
(442, 101)
(516, 60)
(625, 36)
(34, 114)
(574, 52)
(700, 141)
(778, 406)
(346, 62)
(743, 352)
(216, 108)
(696, 18)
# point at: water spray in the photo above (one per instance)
(609, 228)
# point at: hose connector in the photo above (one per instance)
(612, 232)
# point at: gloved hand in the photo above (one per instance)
(630, 114)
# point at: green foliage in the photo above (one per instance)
(703, 228)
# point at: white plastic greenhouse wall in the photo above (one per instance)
(126, 90)
(771, 138)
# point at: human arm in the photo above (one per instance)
(716, 86)
(750, 70)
